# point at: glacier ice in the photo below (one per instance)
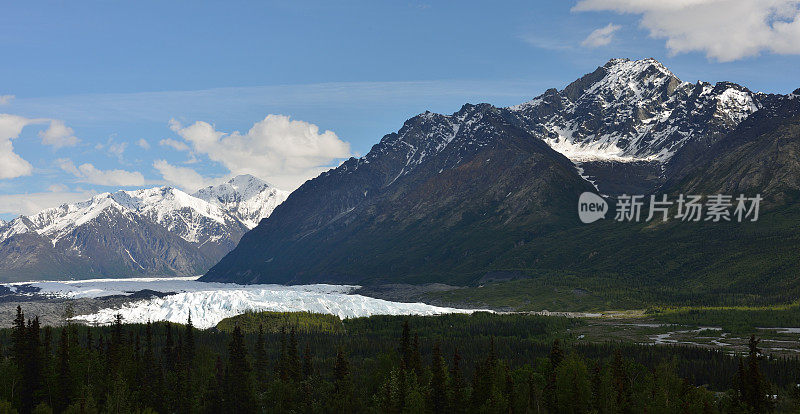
(209, 303)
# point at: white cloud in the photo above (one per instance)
(58, 135)
(283, 151)
(182, 177)
(32, 203)
(177, 145)
(57, 188)
(88, 173)
(725, 30)
(6, 99)
(143, 143)
(117, 148)
(113, 147)
(11, 164)
(601, 36)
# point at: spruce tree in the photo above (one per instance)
(438, 400)
(213, 399)
(63, 377)
(556, 356)
(293, 358)
(189, 347)
(262, 362)
(239, 391)
(152, 374)
(622, 382)
(755, 388)
(32, 368)
(416, 357)
(405, 344)
(457, 397)
(283, 371)
(341, 370)
(308, 369)
(19, 339)
(169, 348)
(342, 399)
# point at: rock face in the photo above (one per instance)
(761, 156)
(623, 124)
(450, 198)
(157, 231)
(432, 193)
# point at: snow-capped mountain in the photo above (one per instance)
(159, 231)
(245, 197)
(446, 198)
(623, 123)
(635, 110)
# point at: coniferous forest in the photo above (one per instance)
(298, 363)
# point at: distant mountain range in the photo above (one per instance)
(156, 231)
(491, 192)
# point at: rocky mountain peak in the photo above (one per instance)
(246, 197)
(635, 111)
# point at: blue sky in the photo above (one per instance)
(134, 94)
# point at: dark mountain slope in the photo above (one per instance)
(440, 199)
(456, 198)
(761, 156)
(695, 263)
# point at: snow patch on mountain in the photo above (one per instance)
(634, 110)
(736, 104)
(245, 197)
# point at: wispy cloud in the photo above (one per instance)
(143, 144)
(601, 37)
(174, 144)
(239, 103)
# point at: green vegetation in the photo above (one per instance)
(481, 363)
(273, 322)
(732, 319)
(565, 294)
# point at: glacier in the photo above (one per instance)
(210, 302)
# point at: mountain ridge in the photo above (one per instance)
(154, 231)
(408, 211)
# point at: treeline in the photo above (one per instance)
(445, 364)
(736, 320)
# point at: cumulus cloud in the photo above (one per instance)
(283, 151)
(184, 178)
(6, 99)
(11, 164)
(143, 143)
(601, 36)
(32, 203)
(724, 30)
(88, 173)
(58, 135)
